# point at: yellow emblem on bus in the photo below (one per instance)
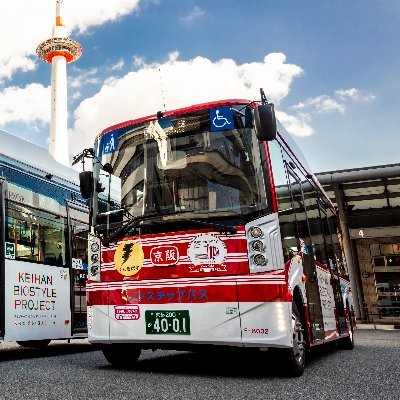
(129, 258)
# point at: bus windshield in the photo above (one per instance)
(180, 166)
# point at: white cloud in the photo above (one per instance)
(180, 83)
(326, 104)
(18, 44)
(354, 94)
(118, 66)
(197, 12)
(29, 105)
(296, 125)
(21, 63)
(84, 78)
(320, 104)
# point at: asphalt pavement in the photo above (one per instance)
(79, 371)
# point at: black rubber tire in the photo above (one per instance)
(347, 343)
(34, 344)
(295, 358)
(121, 355)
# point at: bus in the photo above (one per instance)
(208, 228)
(43, 254)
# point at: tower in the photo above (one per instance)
(59, 51)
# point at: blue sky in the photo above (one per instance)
(331, 67)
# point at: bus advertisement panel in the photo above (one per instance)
(36, 299)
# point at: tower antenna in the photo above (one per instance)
(162, 89)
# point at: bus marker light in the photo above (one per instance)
(259, 260)
(303, 278)
(257, 245)
(256, 232)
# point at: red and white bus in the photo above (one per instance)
(208, 228)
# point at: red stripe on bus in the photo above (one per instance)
(235, 260)
(191, 294)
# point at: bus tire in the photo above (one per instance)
(347, 343)
(121, 355)
(295, 358)
(34, 344)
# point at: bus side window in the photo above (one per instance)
(315, 215)
(336, 237)
(22, 230)
(286, 213)
(37, 235)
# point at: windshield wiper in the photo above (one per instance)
(221, 228)
(136, 220)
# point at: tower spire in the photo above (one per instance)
(59, 51)
(59, 20)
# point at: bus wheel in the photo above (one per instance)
(296, 356)
(121, 355)
(35, 344)
(347, 343)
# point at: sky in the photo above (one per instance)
(330, 67)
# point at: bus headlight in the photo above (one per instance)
(259, 260)
(256, 232)
(94, 250)
(257, 245)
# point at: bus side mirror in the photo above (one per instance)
(86, 184)
(265, 122)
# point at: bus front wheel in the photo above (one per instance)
(295, 357)
(121, 355)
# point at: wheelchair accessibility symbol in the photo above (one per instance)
(221, 119)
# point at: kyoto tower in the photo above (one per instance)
(59, 50)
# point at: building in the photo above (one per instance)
(368, 202)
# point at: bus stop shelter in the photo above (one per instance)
(368, 203)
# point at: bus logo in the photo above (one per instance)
(129, 258)
(207, 253)
(164, 256)
(130, 313)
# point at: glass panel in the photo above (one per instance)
(388, 293)
(79, 239)
(179, 165)
(38, 236)
(287, 216)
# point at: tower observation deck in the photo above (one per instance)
(59, 51)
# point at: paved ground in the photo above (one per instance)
(76, 371)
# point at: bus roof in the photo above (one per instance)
(179, 111)
(29, 156)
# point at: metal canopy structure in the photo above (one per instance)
(368, 202)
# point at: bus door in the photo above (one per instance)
(307, 252)
(78, 229)
(334, 266)
(3, 187)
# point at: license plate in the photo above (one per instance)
(167, 322)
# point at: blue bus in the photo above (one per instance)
(43, 251)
